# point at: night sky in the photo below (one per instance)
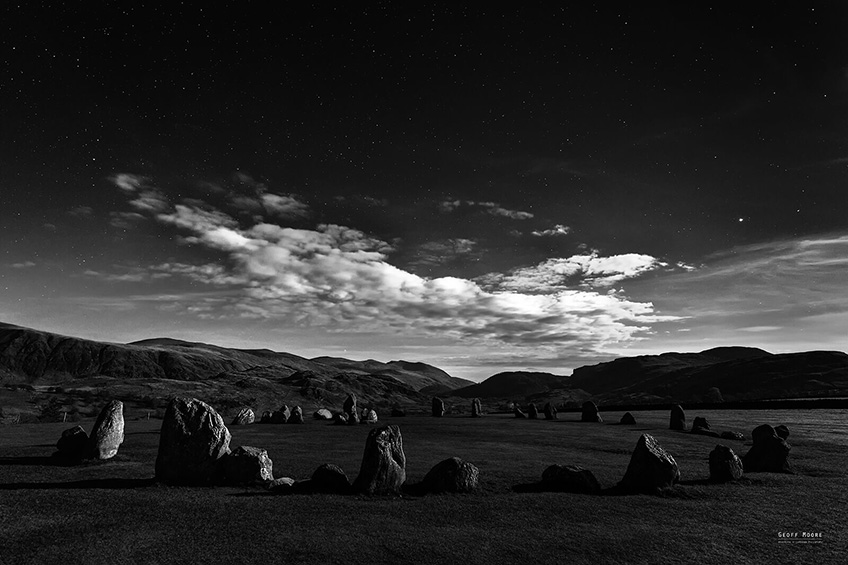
(479, 188)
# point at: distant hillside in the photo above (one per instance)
(151, 370)
(515, 384)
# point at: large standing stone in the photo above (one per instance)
(451, 475)
(532, 411)
(296, 415)
(627, 419)
(518, 412)
(569, 478)
(349, 406)
(383, 469)
(72, 445)
(331, 479)
(724, 465)
(281, 416)
(476, 408)
(550, 411)
(650, 467)
(438, 407)
(677, 420)
(247, 466)
(244, 417)
(192, 440)
(323, 414)
(107, 435)
(590, 412)
(770, 452)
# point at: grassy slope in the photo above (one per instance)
(107, 513)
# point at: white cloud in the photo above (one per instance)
(444, 251)
(23, 265)
(492, 208)
(150, 200)
(558, 229)
(284, 206)
(128, 182)
(81, 212)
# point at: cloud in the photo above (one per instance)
(125, 220)
(492, 208)
(558, 274)
(444, 251)
(128, 182)
(557, 230)
(23, 265)
(81, 212)
(340, 278)
(150, 200)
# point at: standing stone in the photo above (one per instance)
(192, 440)
(569, 478)
(72, 445)
(700, 424)
(352, 418)
(281, 416)
(627, 419)
(451, 475)
(107, 435)
(349, 406)
(650, 467)
(438, 407)
(247, 466)
(323, 414)
(330, 479)
(369, 416)
(266, 417)
(518, 412)
(677, 420)
(590, 412)
(724, 465)
(476, 408)
(770, 452)
(339, 419)
(550, 411)
(532, 411)
(244, 417)
(296, 415)
(383, 469)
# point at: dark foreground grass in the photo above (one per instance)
(111, 512)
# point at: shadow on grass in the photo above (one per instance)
(87, 484)
(49, 461)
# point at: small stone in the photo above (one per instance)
(244, 417)
(476, 408)
(266, 417)
(282, 485)
(369, 416)
(550, 411)
(331, 479)
(451, 475)
(339, 419)
(677, 420)
(650, 468)
(247, 466)
(323, 414)
(383, 469)
(627, 419)
(590, 412)
(72, 444)
(724, 465)
(296, 415)
(107, 435)
(569, 478)
(733, 435)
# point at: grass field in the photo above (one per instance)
(111, 512)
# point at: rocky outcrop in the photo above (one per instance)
(569, 478)
(550, 411)
(650, 468)
(192, 440)
(438, 409)
(677, 420)
(725, 465)
(247, 466)
(589, 412)
(296, 415)
(450, 475)
(476, 408)
(72, 444)
(323, 414)
(244, 417)
(770, 452)
(107, 435)
(627, 419)
(383, 469)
